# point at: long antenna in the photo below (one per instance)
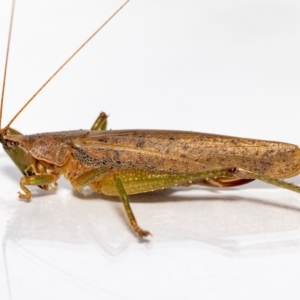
(61, 67)
(6, 58)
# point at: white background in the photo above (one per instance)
(227, 67)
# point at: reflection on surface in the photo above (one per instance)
(234, 220)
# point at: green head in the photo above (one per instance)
(19, 154)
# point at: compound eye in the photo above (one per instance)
(10, 144)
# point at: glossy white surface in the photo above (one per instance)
(212, 66)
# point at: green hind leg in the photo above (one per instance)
(245, 174)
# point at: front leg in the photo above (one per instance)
(39, 180)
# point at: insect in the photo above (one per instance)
(125, 162)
